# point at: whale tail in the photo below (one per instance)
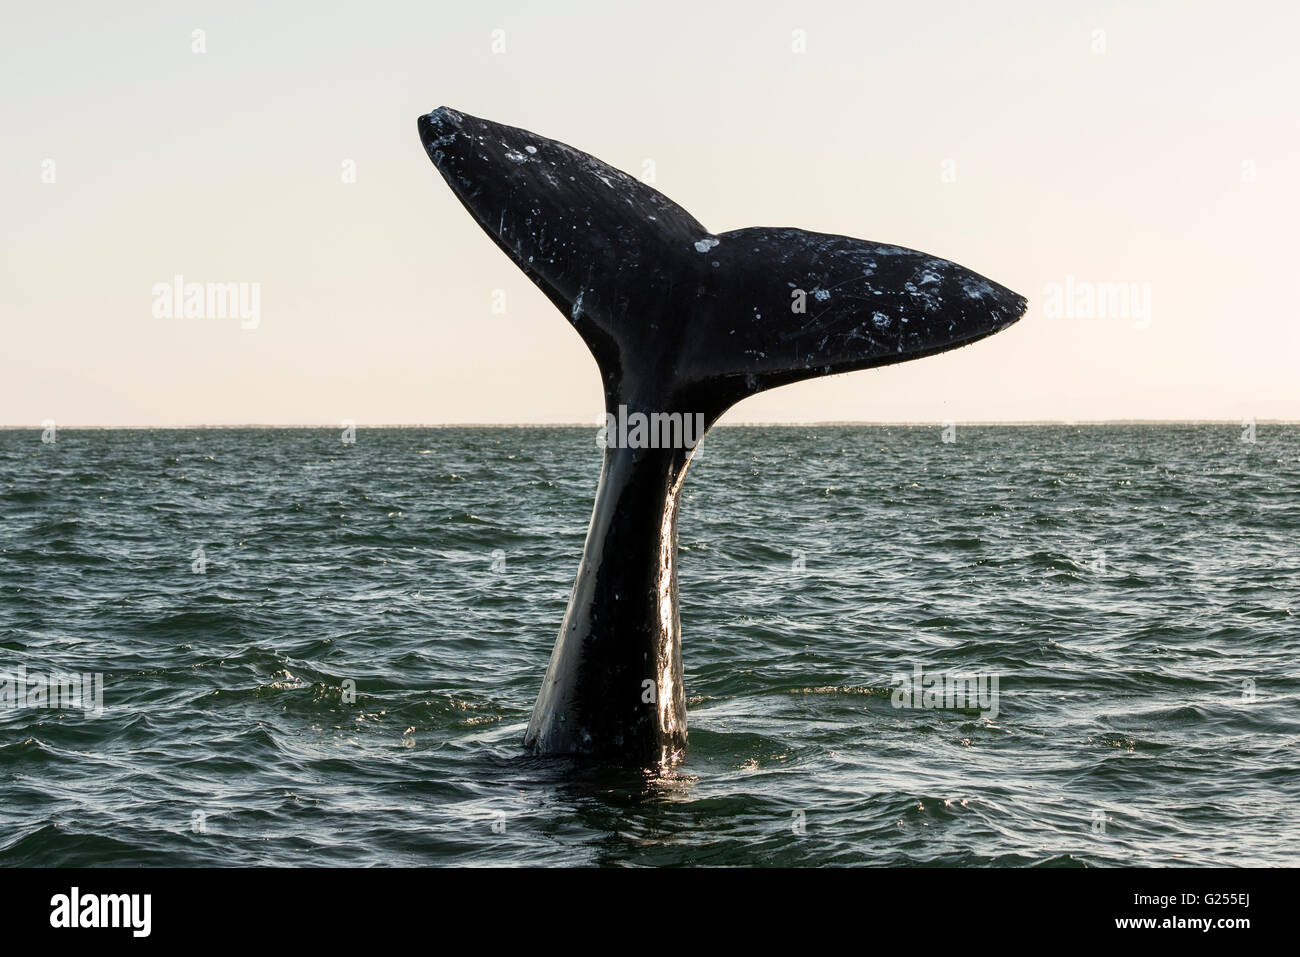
(677, 316)
(682, 322)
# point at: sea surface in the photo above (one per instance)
(320, 653)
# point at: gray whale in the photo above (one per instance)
(683, 323)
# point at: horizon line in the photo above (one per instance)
(855, 423)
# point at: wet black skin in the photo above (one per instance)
(680, 320)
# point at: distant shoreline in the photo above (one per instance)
(1233, 423)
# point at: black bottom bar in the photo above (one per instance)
(369, 907)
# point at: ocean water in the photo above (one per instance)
(325, 654)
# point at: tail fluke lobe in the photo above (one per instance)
(787, 304)
(600, 244)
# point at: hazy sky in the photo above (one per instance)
(1053, 147)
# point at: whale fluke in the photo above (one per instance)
(683, 323)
